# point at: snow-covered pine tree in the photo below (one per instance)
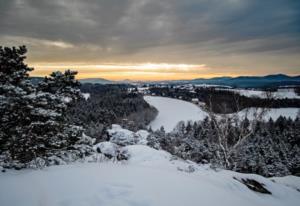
(51, 135)
(34, 129)
(14, 108)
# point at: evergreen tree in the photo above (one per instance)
(33, 122)
(15, 107)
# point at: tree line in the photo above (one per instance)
(222, 101)
(272, 149)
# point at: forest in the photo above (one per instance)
(110, 104)
(222, 101)
(272, 149)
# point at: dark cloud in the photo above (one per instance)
(119, 27)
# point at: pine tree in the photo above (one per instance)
(15, 109)
(34, 127)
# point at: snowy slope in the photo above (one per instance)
(171, 111)
(150, 177)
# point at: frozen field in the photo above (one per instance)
(171, 111)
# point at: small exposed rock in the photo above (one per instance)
(254, 185)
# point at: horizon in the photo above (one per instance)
(207, 78)
(155, 40)
(141, 72)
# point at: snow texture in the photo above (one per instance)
(106, 148)
(123, 137)
(150, 177)
(273, 113)
(280, 94)
(171, 111)
(86, 96)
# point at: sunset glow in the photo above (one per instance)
(146, 71)
(154, 39)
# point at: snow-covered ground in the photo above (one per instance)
(171, 111)
(280, 94)
(150, 177)
(273, 113)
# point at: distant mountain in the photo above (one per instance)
(274, 80)
(96, 81)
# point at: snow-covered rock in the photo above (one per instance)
(107, 148)
(142, 137)
(121, 136)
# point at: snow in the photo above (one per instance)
(107, 148)
(86, 96)
(273, 113)
(289, 181)
(171, 111)
(150, 177)
(280, 94)
(121, 136)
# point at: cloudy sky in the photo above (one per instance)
(155, 39)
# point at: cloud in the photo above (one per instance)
(200, 31)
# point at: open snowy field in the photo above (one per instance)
(171, 111)
(273, 113)
(280, 94)
(150, 178)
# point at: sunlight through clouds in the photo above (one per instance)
(133, 71)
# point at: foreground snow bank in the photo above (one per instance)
(150, 177)
(171, 111)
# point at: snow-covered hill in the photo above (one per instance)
(171, 111)
(150, 177)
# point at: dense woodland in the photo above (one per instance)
(222, 101)
(273, 149)
(34, 130)
(110, 104)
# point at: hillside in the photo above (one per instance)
(150, 177)
(275, 80)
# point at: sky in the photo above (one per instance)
(155, 39)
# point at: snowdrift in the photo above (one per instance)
(150, 177)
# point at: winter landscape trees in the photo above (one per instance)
(43, 124)
(110, 104)
(271, 150)
(33, 123)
